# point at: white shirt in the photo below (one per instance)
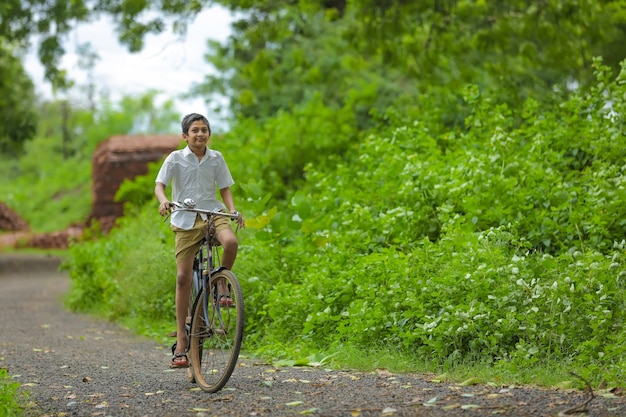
(195, 179)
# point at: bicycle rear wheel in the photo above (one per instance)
(217, 333)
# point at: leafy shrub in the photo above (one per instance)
(10, 397)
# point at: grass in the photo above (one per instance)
(470, 372)
(11, 399)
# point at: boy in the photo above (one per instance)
(195, 172)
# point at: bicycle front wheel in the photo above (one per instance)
(193, 295)
(217, 332)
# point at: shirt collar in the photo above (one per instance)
(187, 152)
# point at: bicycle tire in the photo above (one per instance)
(216, 337)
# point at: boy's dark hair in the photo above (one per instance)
(190, 118)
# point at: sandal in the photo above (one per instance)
(177, 359)
(225, 301)
(180, 360)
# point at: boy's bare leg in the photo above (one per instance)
(230, 244)
(183, 286)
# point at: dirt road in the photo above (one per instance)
(75, 365)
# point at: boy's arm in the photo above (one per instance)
(164, 203)
(227, 198)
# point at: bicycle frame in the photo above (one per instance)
(210, 244)
(204, 269)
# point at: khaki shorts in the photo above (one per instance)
(188, 241)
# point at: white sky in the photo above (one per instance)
(166, 62)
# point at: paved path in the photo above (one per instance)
(75, 365)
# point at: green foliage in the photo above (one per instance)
(99, 268)
(277, 151)
(41, 177)
(375, 55)
(10, 405)
(507, 246)
(18, 118)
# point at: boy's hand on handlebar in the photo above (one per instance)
(164, 208)
(240, 221)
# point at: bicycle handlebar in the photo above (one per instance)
(191, 206)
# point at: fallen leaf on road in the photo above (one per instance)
(431, 402)
(440, 378)
(470, 381)
(294, 403)
(416, 400)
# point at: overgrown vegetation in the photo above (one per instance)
(10, 405)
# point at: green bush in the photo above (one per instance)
(10, 396)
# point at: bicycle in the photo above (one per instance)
(215, 330)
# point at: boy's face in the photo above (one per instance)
(198, 136)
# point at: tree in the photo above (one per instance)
(49, 22)
(379, 54)
(52, 20)
(18, 119)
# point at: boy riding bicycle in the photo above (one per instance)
(195, 172)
